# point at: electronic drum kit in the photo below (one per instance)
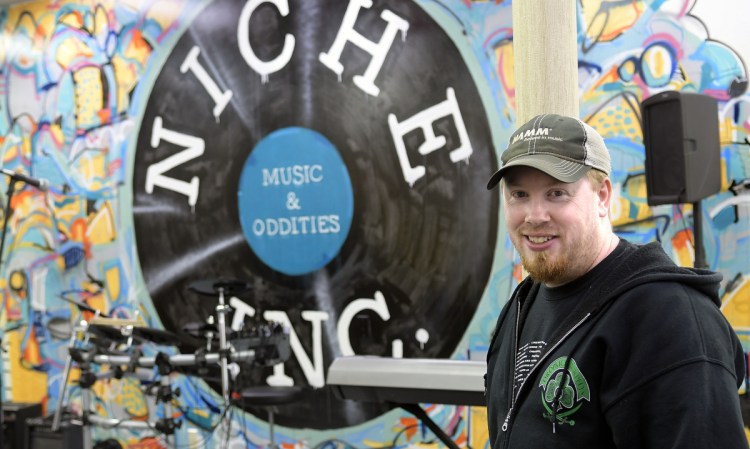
(117, 343)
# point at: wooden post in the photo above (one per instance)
(546, 58)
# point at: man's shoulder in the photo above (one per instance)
(663, 304)
(649, 270)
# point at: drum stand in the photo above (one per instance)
(84, 358)
(167, 425)
(221, 310)
(165, 364)
(82, 326)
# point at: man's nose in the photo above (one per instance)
(537, 212)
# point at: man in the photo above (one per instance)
(605, 344)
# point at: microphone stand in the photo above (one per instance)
(9, 195)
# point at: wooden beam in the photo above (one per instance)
(546, 58)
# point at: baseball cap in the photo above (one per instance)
(560, 146)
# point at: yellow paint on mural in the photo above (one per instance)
(88, 95)
(637, 185)
(70, 51)
(4, 44)
(659, 60)
(25, 22)
(26, 385)
(68, 210)
(126, 76)
(10, 152)
(101, 20)
(101, 387)
(45, 20)
(98, 302)
(682, 246)
(727, 130)
(138, 49)
(679, 82)
(736, 305)
(132, 399)
(101, 228)
(92, 168)
(74, 376)
(26, 146)
(605, 21)
(112, 281)
(55, 130)
(617, 118)
(164, 12)
(505, 70)
(480, 433)
(72, 19)
(626, 209)
(426, 445)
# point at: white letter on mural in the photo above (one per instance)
(241, 310)
(313, 370)
(378, 50)
(264, 68)
(377, 305)
(194, 147)
(423, 120)
(220, 98)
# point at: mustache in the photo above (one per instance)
(537, 230)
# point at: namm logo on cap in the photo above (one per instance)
(533, 134)
(562, 147)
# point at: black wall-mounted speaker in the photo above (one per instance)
(681, 136)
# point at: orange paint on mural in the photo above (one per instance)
(146, 443)
(78, 230)
(410, 425)
(682, 243)
(610, 77)
(518, 272)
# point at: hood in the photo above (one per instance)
(649, 263)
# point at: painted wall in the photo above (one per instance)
(334, 155)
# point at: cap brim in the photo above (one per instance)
(560, 169)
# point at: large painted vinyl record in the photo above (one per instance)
(279, 148)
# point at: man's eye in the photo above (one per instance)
(558, 193)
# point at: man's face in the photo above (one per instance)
(555, 226)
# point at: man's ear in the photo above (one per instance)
(604, 197)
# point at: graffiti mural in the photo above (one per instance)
(332, 154)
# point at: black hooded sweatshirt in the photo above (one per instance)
(645, 360)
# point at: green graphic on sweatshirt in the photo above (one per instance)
(564, 388)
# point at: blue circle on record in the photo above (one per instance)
(295, 201)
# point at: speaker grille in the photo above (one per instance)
(681, 137)
(663, 139)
